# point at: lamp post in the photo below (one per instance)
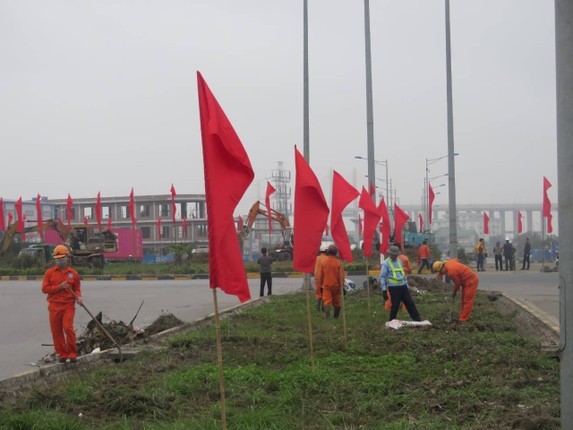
(381, 163)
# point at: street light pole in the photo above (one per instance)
(369, 103)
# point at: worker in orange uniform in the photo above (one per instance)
(317, 287)
(463, 277)
(331, 278)
(424, 256)
(62, 303)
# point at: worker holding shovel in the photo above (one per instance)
(463, 277)
(62, 285)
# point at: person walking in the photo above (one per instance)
(480, 254)
(497, 254)
(58, 281)
(507, 253)
(424, 256)
(463, 277)
(393, 281)
(265, 263)
(526, 254)
(331, 278)
(317, 287)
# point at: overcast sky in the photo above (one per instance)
(102, 96)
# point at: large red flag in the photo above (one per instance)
(159, 227)
(371, 218)
(342, 194)
(2, 225)
(485, 223)
(431, 197)
(132, 209)
(400, 218)
(173, 207)
(421, 222)
(98, 210)
(359, 226)
(270, 190)
(39, 215)
(310, 216)
(547, 205)
(519, 223)
(69, 204)
(19, 214)
(184, 227)
(385, 227)
(228, 173)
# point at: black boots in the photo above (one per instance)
(336, 312)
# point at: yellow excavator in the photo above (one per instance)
(282, 252)
(86, 243)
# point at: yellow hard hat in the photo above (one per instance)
(60, 251)
(437, 266)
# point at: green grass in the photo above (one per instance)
(482, 375)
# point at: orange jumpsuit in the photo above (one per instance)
(465, 278)
(407, 271)
(62, 309)
(331, 278)
(317, 287)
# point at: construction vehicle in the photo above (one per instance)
(284, 251)
(413, 239)
(86, 243)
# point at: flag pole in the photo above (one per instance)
(308, 318)
(342, 303)
(220, 360)
(368, 287)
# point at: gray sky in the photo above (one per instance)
(102, 96)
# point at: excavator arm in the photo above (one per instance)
(259, 208)
(51, 224)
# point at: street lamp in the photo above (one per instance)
(389, 190)
(430, 161)
(381, 163)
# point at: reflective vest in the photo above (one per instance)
(393, 280)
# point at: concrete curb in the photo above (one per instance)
(164, 277)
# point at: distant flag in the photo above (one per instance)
(2, 225)
(519, 223)
(431, 197)
(421, 222)
(385, 227)
(86, 220)
(98, 210)
(69, 204)
(342, 194)
(109, 222)
(184, 227)
(228, 174)
(485, 223)
(270, 190)
(19, 214)
(547, 205)
(39, 215)
(159, 227)
(371, 219)
(310, 215)
(400, 218)
(10, 218)
(359, 226)
(132, 209)
(173, 206)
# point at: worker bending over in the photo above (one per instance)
(331, 278)
(463, 277)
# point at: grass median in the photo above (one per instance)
(480, 375)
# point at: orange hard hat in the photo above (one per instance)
(60, 251)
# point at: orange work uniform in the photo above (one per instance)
(331, 278)
(317, 287)
(407, 271)
(465, 278)
(62, 309)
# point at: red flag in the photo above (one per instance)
(359, 226)
(86, 220)
(173, 207)
(109, 222)
(39, 215)
(400, 218)
(2, 225)
(342, 194)
(239, 223)
(159, 227)
(310, 216)
(421, 222)
(228, 173)
(98, 210)
(19, 214)
(547, 205)
(270, 190)
(69, 204)
(519, 223)
(485, 223)
(385, 227)
(132, 209)
(184, 227)
(371, 218)
(371, 190)
(10, 218)
(431, 197)
(23, 219)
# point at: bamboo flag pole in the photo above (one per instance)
(342, 302)
(368, 287)
(310, 342)
(220, 360)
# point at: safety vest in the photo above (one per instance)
(394, 280)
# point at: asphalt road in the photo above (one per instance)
(24, 326)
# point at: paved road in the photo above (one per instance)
(24, 325)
